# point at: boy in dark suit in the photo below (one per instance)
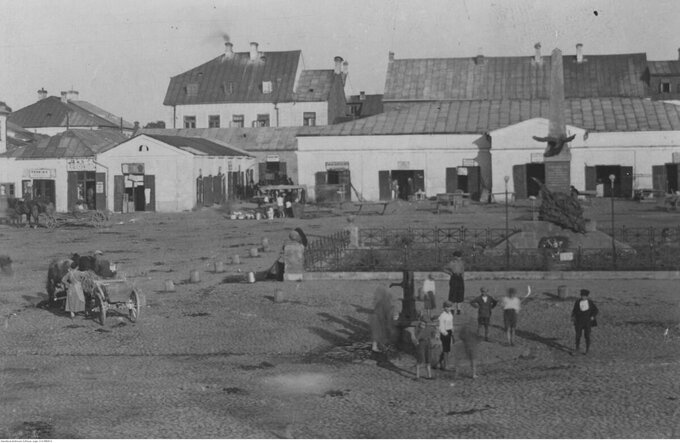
(583, 315)
(484, 303)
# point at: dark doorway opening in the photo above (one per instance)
(537, 171)
(409, 181)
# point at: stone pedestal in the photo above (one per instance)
(294, 260)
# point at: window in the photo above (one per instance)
(262, 121)
(190, 121)
(237, 121)
(213, 121)
(309, 119)
(664, 87)
(266, 87)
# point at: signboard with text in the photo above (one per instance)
(41, 173)
(273, 158)
(337, 166)
(132, 168)
(80, 164)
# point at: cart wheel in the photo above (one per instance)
(98, 219)
(135, 305)
(101, 304)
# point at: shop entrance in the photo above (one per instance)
(406, 182)
(85, 189)
(597, 179)
(134, 192)
(464, 178)
(665, 177)
(522, 176)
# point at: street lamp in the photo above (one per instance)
(507, 228)
(612, 177)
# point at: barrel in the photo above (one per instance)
(251, 277)
(562, 292)
(195, 276)
(219, 267)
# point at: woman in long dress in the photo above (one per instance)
(456, 269)
(383, 330)
(75, 297)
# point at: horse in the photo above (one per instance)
(31, 208)
(100, 266)
(56, 270)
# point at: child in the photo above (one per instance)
(484, 303)
(471, 345)
(446, 334)
(421, 340)
(511, 306)
(429, 301)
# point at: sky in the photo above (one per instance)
(120, 54)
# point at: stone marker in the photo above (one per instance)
(278, 296)
(251, 277)
(254, 252)
(236, 260)
(169, 286)
(219, 267)
(265, 244)
(562, 292)
(195, 276)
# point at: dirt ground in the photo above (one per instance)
(217, 360)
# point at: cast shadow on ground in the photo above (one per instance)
(550, 342)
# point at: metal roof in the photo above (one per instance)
(247, 139)
(236, 79)
(489, 78)
(198, 145)
(71, 143)
(666, 67)
(314, 85)
(53, 112)
(371, 104)
(480, 116)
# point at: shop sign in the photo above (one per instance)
(403, 165)
(537, 158)
(337, 166)
(132, 168)
(100, 187)
(470, 162)
(462, 170)
(42, 173)
(273, 158)
(80, 164)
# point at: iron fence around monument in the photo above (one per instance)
(416, 249)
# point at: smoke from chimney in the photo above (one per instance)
(228, 49)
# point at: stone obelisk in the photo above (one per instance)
(557, 157)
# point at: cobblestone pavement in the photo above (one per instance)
(216, 360)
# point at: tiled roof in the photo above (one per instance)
(619, 75)
(371, 104)
(197, 145)
(314, 85)
(480, 116)
(248, 139)
(71, 143)
(666, 67)
(52, 112)
(236, 80)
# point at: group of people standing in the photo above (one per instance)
(434, 343)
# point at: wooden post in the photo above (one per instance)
(408, 303)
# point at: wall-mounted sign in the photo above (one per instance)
(470, 162)
(273, 158)
(80, 164)
(403, 165)
(462, 170)
(41, 173)
(337, 166)
(132, 168)
(537, 158)
(100, 187)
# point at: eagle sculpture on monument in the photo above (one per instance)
(555, 144)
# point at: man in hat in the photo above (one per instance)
(583, 315)
(484, 303)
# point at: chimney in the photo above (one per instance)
(42, 94)
(254, 55)
(4, 112)
(362, 95)
(228, 49)
(345, 71)
(390, 56)
(479, 60)
(537, 54)
(64, 97)
(579, 52)
(678, 53)
(72, 95)
(338, 64)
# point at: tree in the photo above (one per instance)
(158, 124)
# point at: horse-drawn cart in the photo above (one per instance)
(94, 218)
(117, 294)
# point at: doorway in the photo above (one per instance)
(464, 178)
(134, 192)
(597, 179)
(409, 181)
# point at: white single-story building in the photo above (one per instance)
(473, 145)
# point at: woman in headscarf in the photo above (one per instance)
(383, 330)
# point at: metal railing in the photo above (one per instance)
(453, 237)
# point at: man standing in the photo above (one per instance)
(484, 303)
(583, 315)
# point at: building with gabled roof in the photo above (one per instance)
(256, 89)
(664, 79)
(515, 78)
(274, 149)
(52, 115)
